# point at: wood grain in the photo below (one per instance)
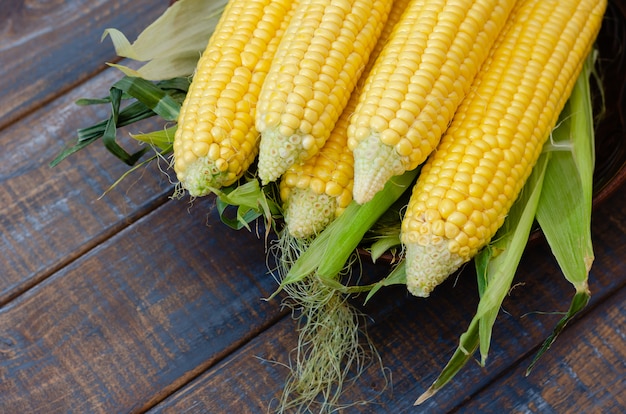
(416, 337)
(48, 47)
(135, 318)
(580, 376)
(50, 216)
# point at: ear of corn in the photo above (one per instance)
(319, 60)
(414, 89)
(467, 187)
(216, 140)
(496, 265)
(318, 190)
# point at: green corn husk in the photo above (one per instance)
(250, 201)
(496, 266)
(328, 253)
(161, 99)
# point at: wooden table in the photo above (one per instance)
(135, 302)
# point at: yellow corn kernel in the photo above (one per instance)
(418, 82)
(309, 209)
(518, 95)
(216, 140)
(317, 66)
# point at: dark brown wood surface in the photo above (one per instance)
(134, 302)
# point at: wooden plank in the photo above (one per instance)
(50, 216)
(416, 337)
(122, 321)
(135, 318)
(585, 374)
(49, 47)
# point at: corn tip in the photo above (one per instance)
(307, 213)
(428, 265)
(374, 164)
(278, 152)
(204, 174)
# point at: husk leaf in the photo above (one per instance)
(564, 212)
(328, 253)
(173, 43)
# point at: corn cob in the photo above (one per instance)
(418, 82)
(317, 191)
(468, 185)
(318, 63)
(216, 141)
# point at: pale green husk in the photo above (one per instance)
(173, 43)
